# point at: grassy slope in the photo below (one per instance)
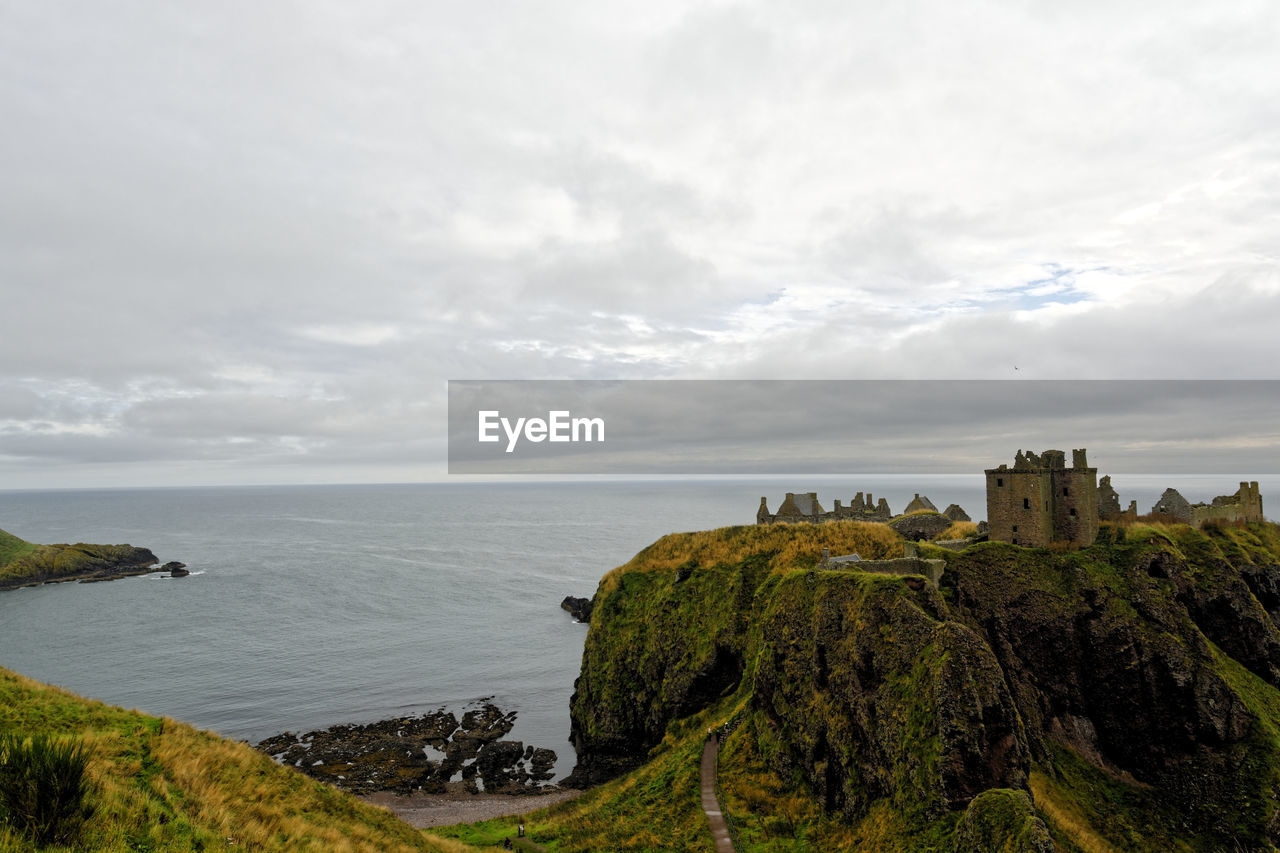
(11, 548)
(654, 808)
(163, 785)
(1085, 808)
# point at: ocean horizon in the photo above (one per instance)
(310, 606)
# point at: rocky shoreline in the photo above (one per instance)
(84, 564)
(432, 753)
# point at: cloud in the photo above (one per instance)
(295, 231)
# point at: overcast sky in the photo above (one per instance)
(247, 242)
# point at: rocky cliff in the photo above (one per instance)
(1110, 697)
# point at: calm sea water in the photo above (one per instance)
(316, 605)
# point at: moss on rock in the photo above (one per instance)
(1138, 677)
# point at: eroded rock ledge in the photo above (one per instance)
(430, 753)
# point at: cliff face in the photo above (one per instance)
(873, 694)
(1151, 658)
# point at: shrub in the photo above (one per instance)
(43, 786)
(958, 530)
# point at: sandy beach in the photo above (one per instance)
(427, 810)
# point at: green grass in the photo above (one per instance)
(157, 784)
(11, 548)
(43, 786)
(654, 808)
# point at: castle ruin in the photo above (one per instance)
(805, 507)
(1109, 503)
(1040, 500)
(1244, 505)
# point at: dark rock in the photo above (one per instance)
(500, 764)
(175, 569)
(392, 755)
(542, 764)
(580, 608)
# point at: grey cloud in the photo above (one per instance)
(269, 245)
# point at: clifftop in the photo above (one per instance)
(1125, 694)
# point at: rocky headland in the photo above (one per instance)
(1121, 694)
(25, 564)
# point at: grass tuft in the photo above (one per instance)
(43, 786)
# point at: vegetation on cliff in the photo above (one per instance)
(23, 563)
(1122, 696)
(11, 548)
(156, 784)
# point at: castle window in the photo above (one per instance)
(999, 482)
(1015, 528)
(1073, 511)
(1065, 490)
(1026, 503)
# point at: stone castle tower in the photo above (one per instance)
(1040, 500)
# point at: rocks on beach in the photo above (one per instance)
(421, 753)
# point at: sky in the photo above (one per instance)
(251, 243)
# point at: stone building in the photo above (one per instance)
(1109, 503)
(1244, 505)
(796, 507)
(1040, 500)
(918, 503)
(1174, 505)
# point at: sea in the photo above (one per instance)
(310, 606)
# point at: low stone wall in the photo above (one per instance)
(931, 569)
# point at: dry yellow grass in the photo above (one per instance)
(958, 530)
(164, 785)
(786, 545)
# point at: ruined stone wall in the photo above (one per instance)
(1244, 505)
(1075, 505)
(1018, 506)
(1174, 505)
(797, 507)
(1040, 500)
(1108, 501)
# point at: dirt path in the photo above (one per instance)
(427, 810)
(710, 805)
